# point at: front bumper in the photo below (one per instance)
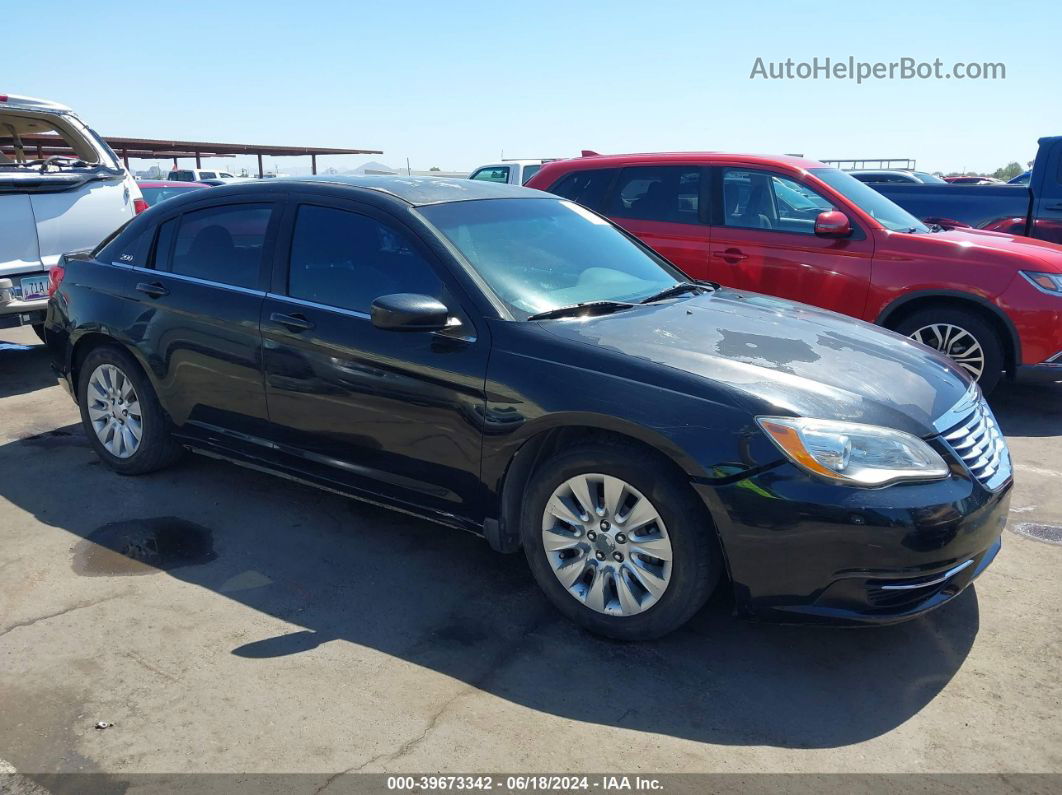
(800, 550)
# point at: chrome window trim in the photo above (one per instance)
(326, 307)
(196, 280)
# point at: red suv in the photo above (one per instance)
(798, 229)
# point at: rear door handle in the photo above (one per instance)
(1056, 206)
(731, 255)
(295, 322)
(154, 289)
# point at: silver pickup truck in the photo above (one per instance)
(61, 189)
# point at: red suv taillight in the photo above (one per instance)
(55, 278)
(139, 205)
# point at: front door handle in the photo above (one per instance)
(731, 255)
(154, 289)
(294, 322)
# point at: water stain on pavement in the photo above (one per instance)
(59, 437)
(1048, 533)
(143, 546)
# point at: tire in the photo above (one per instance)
(695, 565)
(155, 448)
(38, 329)
(935, 326)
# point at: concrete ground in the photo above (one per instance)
(281, 628)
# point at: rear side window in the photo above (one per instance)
(347, 260)
(496, 174)
(585, 187)
(530, 171)
(218, 244)
(208, 175)
(657, 193)
(116, 244)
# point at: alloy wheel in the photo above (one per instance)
(956, 342)
(607, 544)
(114, 410)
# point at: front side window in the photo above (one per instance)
(887, 213)
(530, 171)
(541, 254)
(219, 244)
(347, 260)
(657, 193)
(759, 200)
(493, 174)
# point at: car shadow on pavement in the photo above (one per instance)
(347, 572)
(1028, 409)
(23, 368)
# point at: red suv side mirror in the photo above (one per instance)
(833, 223)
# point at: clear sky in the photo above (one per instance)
(452, 84)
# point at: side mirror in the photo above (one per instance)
(409, 312)
(833, 223)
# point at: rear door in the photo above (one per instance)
(763, 240)
(387, 413)
(202, 295)
(1047, 212)
(666, 208)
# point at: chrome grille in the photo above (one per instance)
(978, 441)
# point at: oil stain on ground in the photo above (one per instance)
(143, 546)
(1049, 533)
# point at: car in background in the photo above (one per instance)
(972, 180)
(503, 361)
(197, 174)
(156, 191)
(797, 229)
(896, 175)
(508, 172)
(1032, 207)
(65, 191)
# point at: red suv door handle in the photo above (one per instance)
(731, 255)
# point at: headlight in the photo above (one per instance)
(854, 454)
(1045, 282)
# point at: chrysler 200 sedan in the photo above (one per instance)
(504, 361)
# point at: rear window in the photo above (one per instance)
(585, 187)
(218, 244)
(208, 175)
(530, 171)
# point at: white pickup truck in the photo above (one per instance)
(61, 189)
(510, 172)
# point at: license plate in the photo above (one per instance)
(34, 287)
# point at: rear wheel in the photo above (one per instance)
(38, 329)
(962, 335)
(617, 542)
(121, 414)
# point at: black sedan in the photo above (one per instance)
(499, 360)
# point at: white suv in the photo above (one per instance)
(61, 189)
(198, 175)
(512, 172)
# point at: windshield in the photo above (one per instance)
(542, 254)
(929, 179)
(889, 215)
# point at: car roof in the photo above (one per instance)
(419, 191)
(649, 158)
(29, 103)
(905, 171)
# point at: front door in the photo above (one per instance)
(388, 413)
(763, 240)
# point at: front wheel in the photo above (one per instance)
(964, 336)
(617, 542)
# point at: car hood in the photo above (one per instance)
(779, 357)
(974, 245)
